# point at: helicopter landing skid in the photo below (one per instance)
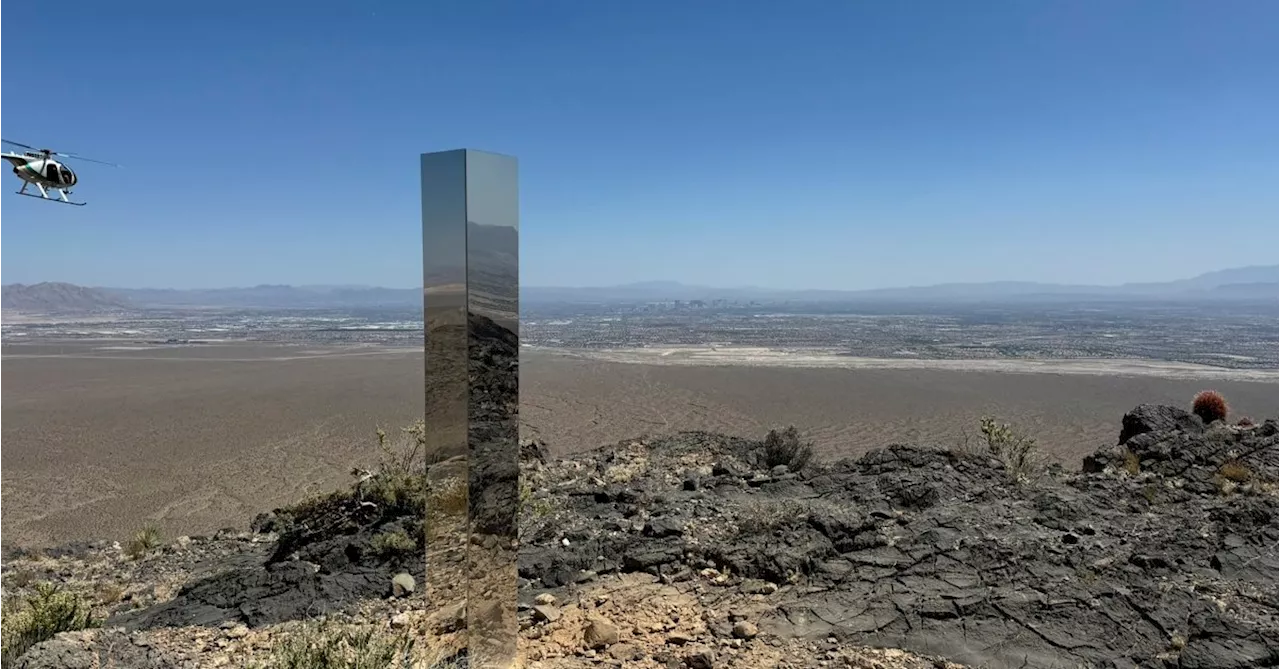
(64, 199)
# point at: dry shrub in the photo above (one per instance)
(1210, 406)
(407, 457)
(1132, 464)
(785, 448)
(1017, 451)
(1234, 470)
(108, 593)
(22, 578)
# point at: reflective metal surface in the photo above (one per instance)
(470, 231)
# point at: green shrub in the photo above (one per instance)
(146, 540)
(331, 647)
(393, 543)
(37, 618)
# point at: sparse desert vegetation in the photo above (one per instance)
(143, 541)
(39, 616)
(328, 646)
(1210, 406)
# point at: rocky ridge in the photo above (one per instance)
(1161, 552)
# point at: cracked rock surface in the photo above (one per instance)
(941, 553)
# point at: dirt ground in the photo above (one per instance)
(98, 441)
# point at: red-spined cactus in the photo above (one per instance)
(1209, 406)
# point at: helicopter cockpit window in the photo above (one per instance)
(66, 176)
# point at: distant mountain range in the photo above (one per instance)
(61, 298)
(1241, 283)
(1257, 283)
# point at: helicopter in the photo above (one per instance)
(36, 167)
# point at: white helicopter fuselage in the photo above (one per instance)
(45, 172)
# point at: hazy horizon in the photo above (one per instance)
(670, 282)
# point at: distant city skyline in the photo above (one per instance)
(835, 145)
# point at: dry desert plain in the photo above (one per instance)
(100, 439)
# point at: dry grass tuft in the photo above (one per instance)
(1235, 471)
(1132, 465)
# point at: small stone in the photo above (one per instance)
(700, 659)
(546, 613)
(451, 618)
(400, 621)
(745, 630)
(626, 652)
(779, 470)
(184, 541)
(599, 633)
(238, 632)
(679, 638)
(402, 584)
(545, 599)
(755, 586)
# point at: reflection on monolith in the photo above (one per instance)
(493, 436)
(470, 268)
(444, 262)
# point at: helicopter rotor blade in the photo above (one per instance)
(25, 146)
(87, 160)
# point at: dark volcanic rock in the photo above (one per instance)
(1187, 454)
(940, 553)
(66, 651)
(1158, 418)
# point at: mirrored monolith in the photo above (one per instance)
(470, 223)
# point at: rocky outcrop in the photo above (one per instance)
(939, 552)
(1178, 448)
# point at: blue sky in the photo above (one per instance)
(814, 143)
